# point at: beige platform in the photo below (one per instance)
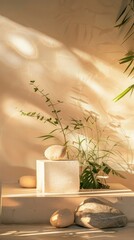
(24, 206)
(29, 206)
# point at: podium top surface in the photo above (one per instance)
(116, 189)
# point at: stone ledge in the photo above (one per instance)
(27, 206)
(116, 189)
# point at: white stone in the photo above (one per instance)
(62, 218)
(57, 176)
(55, 152)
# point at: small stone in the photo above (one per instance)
(96, 213)
(62, 218)
(27, 181)
(55, 152)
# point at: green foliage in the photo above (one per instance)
(83, 140)
(125, 21)
(94, 150)
(91, 178)
(129, 59)
(122, 94)
(56, 120)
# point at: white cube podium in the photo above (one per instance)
(57, 176)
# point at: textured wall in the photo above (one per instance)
(71, 49)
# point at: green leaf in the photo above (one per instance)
(42, 118)
(59, 101)
(46, 137)
(32, 82)
(65, 128)
(129, 57)
(88, 179)
(131, 72)
(47, 99)
(129, 66)
(35, 89)
(122, 94)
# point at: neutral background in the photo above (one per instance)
(71, 48)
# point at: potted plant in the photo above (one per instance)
(125, 22)
(83, 140)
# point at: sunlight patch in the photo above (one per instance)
(23, 46)
(51, 42)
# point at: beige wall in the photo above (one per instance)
(71, 48)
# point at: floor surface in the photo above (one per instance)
(41, 232)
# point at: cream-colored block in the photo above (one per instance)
(57, 176)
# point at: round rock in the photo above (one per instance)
(27, 181)
(55, 152)
(62, 218)
(96, 213)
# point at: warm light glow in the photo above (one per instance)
(102, 67)
(88, 80)
(86, 220)
(11, 203)
(23, 46)
(50, 42)
(75, 138)
(88, 107)
(82, 55)
(12, 109)
(103, 177)
(58, 233)
(63, 71)
(9, 107)
(9, 58)
(67, 63)
(8, 233)
(55, 217)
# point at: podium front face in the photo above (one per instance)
(57, 176)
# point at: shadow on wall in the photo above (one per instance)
(14, 173)
(74, 23)
(71, 57)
